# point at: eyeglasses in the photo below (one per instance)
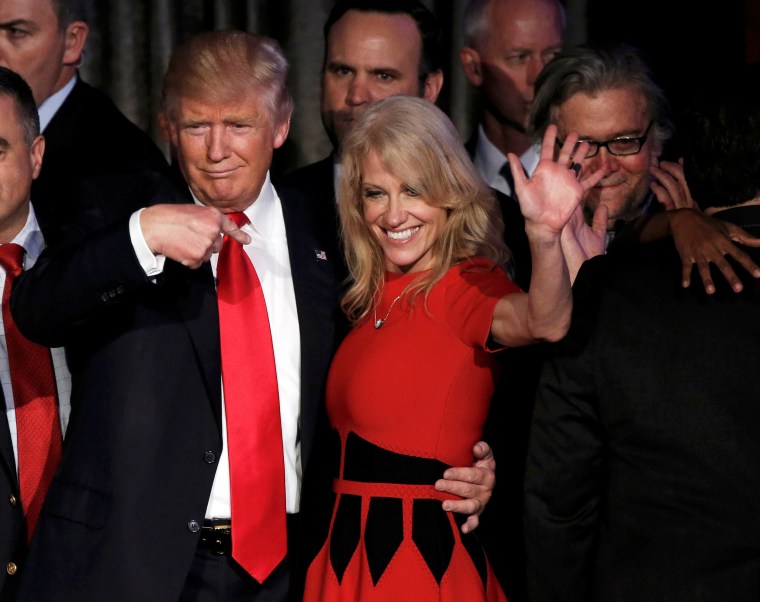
(625, 145)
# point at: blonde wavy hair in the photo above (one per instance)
(416, 142)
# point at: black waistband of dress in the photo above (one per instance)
(365, 461)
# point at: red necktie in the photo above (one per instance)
(252, 404)
(34, 397)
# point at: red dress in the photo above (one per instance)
(408, 400)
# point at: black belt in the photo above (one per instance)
(216, 536)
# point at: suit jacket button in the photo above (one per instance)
(193, 526)
(209, 457)
(11, 568)
(12, 500)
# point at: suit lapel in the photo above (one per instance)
(314, 281)
(195, 298)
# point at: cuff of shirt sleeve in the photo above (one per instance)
(152, 264)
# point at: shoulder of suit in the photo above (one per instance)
(319, 173)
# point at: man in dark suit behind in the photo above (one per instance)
(642, 476)
(88, 140)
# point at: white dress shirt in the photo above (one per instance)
(268, 252)
(488, 160)
(31, 239)
(51, 104)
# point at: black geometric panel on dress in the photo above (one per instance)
(431, 532)
(383, 533)
(474, 548)
(369, 463)
(345, 534)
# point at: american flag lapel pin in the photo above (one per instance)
(321, 255)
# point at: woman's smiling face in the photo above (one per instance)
(402, 221)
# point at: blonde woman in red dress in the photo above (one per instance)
(410, 386)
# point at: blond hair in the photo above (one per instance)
(417, 143)
(224, 66)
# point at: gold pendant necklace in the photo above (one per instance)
(381, 321)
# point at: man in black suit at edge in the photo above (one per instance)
(140, 508)
(94, 155)
(22, 148)
(644, 451)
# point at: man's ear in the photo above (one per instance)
(164, 131)
(432, 86)
(35, 152)
(75, 37)
(281, 132)
(471, 65)
(168, 129)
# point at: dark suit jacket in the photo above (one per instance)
(89, 140)
(315, 181)
(12, 539)
(96, 163)
(121, 518)
(643, 474)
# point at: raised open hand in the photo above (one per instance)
(551, 195)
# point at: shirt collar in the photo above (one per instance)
(50, 105)
(262, 212)
(489, 160)
(30, 237)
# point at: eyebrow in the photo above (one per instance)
(3, 143)
(389, 70)
(334, 65)
(628, 133)
(17, 23)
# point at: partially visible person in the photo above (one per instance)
(644, 453)
(373, 49)
(410, 386)
(506, 44)
(36, 385)
(95, 157)
(606, 93)
(154, 499)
